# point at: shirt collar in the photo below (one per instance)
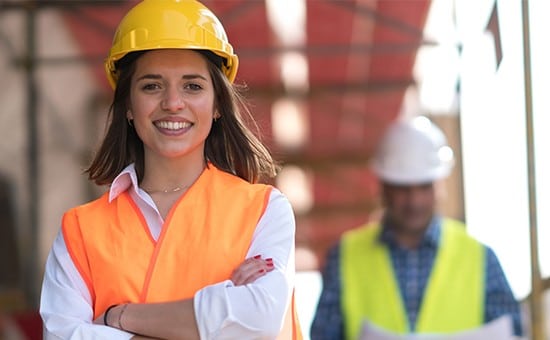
(431, 236)
(126, 179)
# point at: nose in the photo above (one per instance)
(173, 101)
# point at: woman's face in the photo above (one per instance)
(172, 103)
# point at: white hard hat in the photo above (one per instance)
(413, 152)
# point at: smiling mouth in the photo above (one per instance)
(172, 125)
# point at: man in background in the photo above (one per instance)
(414, 271)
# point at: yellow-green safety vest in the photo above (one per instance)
(454, 296)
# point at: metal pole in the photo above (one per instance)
(537, 313)
(32, 161)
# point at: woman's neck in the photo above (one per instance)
(171, 174)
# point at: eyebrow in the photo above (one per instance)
(185, 77)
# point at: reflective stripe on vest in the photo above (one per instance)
(205, 236)
(454, 295)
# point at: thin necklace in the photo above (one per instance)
(166, 191)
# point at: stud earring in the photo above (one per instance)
(129, 119)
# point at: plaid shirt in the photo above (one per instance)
(412, 268)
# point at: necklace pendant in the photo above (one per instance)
(166, 191)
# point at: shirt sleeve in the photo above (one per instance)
(65, 304)
(255, 310)
(499, 299)
(328, 322)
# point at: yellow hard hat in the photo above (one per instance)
(161, 24)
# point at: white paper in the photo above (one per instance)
(500, 329)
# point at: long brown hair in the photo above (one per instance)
(231, 145)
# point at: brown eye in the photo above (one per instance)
(150, 87)
(193, 87)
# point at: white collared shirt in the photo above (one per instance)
(222, 310)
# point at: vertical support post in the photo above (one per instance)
(33, 173)
(537, 313)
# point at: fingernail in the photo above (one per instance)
(261, 270)
(257, 256)
(270, 264)
(269, 259)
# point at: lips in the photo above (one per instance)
(173, 126)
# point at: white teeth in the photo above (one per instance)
(172, 125)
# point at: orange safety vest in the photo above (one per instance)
(205, 236)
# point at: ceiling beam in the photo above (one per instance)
(338, 209)
(334, 49)
(31, 5)
(268, 51)
(319, 90)
(326, 161)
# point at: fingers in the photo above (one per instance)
(251, 269)
(253, 277)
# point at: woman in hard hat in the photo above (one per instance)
(184, 244)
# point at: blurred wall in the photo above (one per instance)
(66, 104)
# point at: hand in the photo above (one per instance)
(251, 269)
